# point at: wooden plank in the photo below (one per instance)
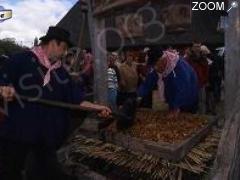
(98, 46)
(187, 145)
(117, 4)
(227, 164)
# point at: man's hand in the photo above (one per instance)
(7, 93)
(105, 112)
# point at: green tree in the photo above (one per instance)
(9, 46)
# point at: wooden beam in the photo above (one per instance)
(227, 164)
(98, 46)
(83, 23)
(117, 4)
(81, 35)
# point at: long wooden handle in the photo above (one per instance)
(63, 105)
(57, 103)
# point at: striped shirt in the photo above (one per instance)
(112, 79)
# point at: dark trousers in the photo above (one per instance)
(123, 96)
(213, 96)
(147, 101)
(190, 109)
(34, 162)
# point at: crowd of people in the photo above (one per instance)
(188, 80)
(170, 72)
(165, 70)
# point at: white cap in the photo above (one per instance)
(146, 49)
(205, 50)
(115, 53)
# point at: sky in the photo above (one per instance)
(31, 18)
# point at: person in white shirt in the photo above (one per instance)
(112, 83)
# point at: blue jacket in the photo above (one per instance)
(181, 88)
(32, 122)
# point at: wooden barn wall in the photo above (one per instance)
(202, 27)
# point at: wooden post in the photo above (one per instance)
(98, 45)
(84, 9)
(227, 163)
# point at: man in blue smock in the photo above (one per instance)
(30, 127)
(176, 81)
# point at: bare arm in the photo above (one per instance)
(93, 106)
(104, 111)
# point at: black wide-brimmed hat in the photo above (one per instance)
(154, 54)
(57, 33)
